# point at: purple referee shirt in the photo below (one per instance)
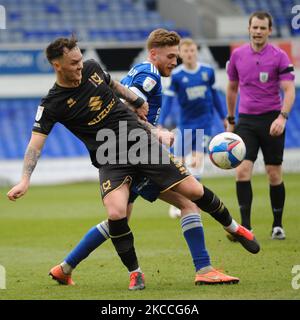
(259, 75)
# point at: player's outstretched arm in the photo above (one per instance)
(31, 157)
(141, 106)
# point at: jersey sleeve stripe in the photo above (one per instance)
(287, 70)
(138, 92)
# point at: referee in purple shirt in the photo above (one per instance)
(259, 70)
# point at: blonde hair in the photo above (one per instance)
(160, 38)
(187, 42)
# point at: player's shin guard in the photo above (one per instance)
(122, 238)
(211, 204)
(92, 240)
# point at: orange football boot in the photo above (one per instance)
(214, 277)
(57, 274)
(246, 238)
(137, 281)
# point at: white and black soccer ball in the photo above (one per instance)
(227, 150)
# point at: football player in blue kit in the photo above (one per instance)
(192, 83)
(144, 79)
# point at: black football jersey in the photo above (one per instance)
(86, 109)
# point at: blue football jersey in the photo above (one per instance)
(145, 81)
(196, 96)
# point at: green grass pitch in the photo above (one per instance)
(38, 231)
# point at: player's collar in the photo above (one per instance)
(153, 68)
(192, 71)
(262, 51)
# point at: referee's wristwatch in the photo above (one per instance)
(285, 115)
(231, 119)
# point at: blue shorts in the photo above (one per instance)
(145, 188)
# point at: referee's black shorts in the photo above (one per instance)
(164, 175)
(255, 131)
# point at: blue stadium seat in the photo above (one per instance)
(16, 120)
(52, 8)
(279, 9)
(36, 17)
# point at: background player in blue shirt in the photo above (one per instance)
(145, 80)
(192, 83)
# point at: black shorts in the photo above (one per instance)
(165, 176)
(255, 131)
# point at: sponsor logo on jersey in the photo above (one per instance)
(103, 113)
(148, 84)
(39, 113)
(196, 92)
(204, 76)
(263, 77)
(185, 79)
(95, 79)
(95, 103)
(71, 102)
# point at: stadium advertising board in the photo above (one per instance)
(23, 61)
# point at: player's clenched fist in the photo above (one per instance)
(17, 191)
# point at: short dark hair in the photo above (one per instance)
(56, 48)
(261, 15)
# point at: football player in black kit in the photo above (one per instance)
(84, 99)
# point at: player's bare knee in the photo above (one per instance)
(274, 175)
(243, 173)
(116, 210)
(116, 213)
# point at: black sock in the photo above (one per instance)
(245, 196)
(277, 196)
(211, 204)
(122, 238)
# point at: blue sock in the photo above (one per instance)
(192, 229)
(92, 240)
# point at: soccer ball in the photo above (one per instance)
(174, 212)
(227, 150)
